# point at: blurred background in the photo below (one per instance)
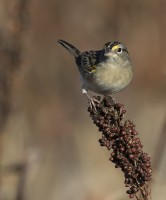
(48, 145)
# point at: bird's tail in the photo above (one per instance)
(73, 50)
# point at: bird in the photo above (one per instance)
(106, 71)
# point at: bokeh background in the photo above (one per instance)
(48, 145)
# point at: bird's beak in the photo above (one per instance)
(108, 53)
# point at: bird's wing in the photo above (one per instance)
(88, 60)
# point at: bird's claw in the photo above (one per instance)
(91, 100)
(92, 103)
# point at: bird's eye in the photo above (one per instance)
(119, 50)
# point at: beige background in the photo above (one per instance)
(49, 147)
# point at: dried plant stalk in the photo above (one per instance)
(120, 136)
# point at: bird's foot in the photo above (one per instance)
(93, 102)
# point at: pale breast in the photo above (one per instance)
(111, 79)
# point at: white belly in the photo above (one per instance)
(110, 79)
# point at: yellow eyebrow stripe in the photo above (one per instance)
(115, 47)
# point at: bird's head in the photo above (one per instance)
(116, 51)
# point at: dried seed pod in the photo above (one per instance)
(119, 135)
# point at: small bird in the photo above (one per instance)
(106, 71)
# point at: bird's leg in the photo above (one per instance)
(90, 99)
